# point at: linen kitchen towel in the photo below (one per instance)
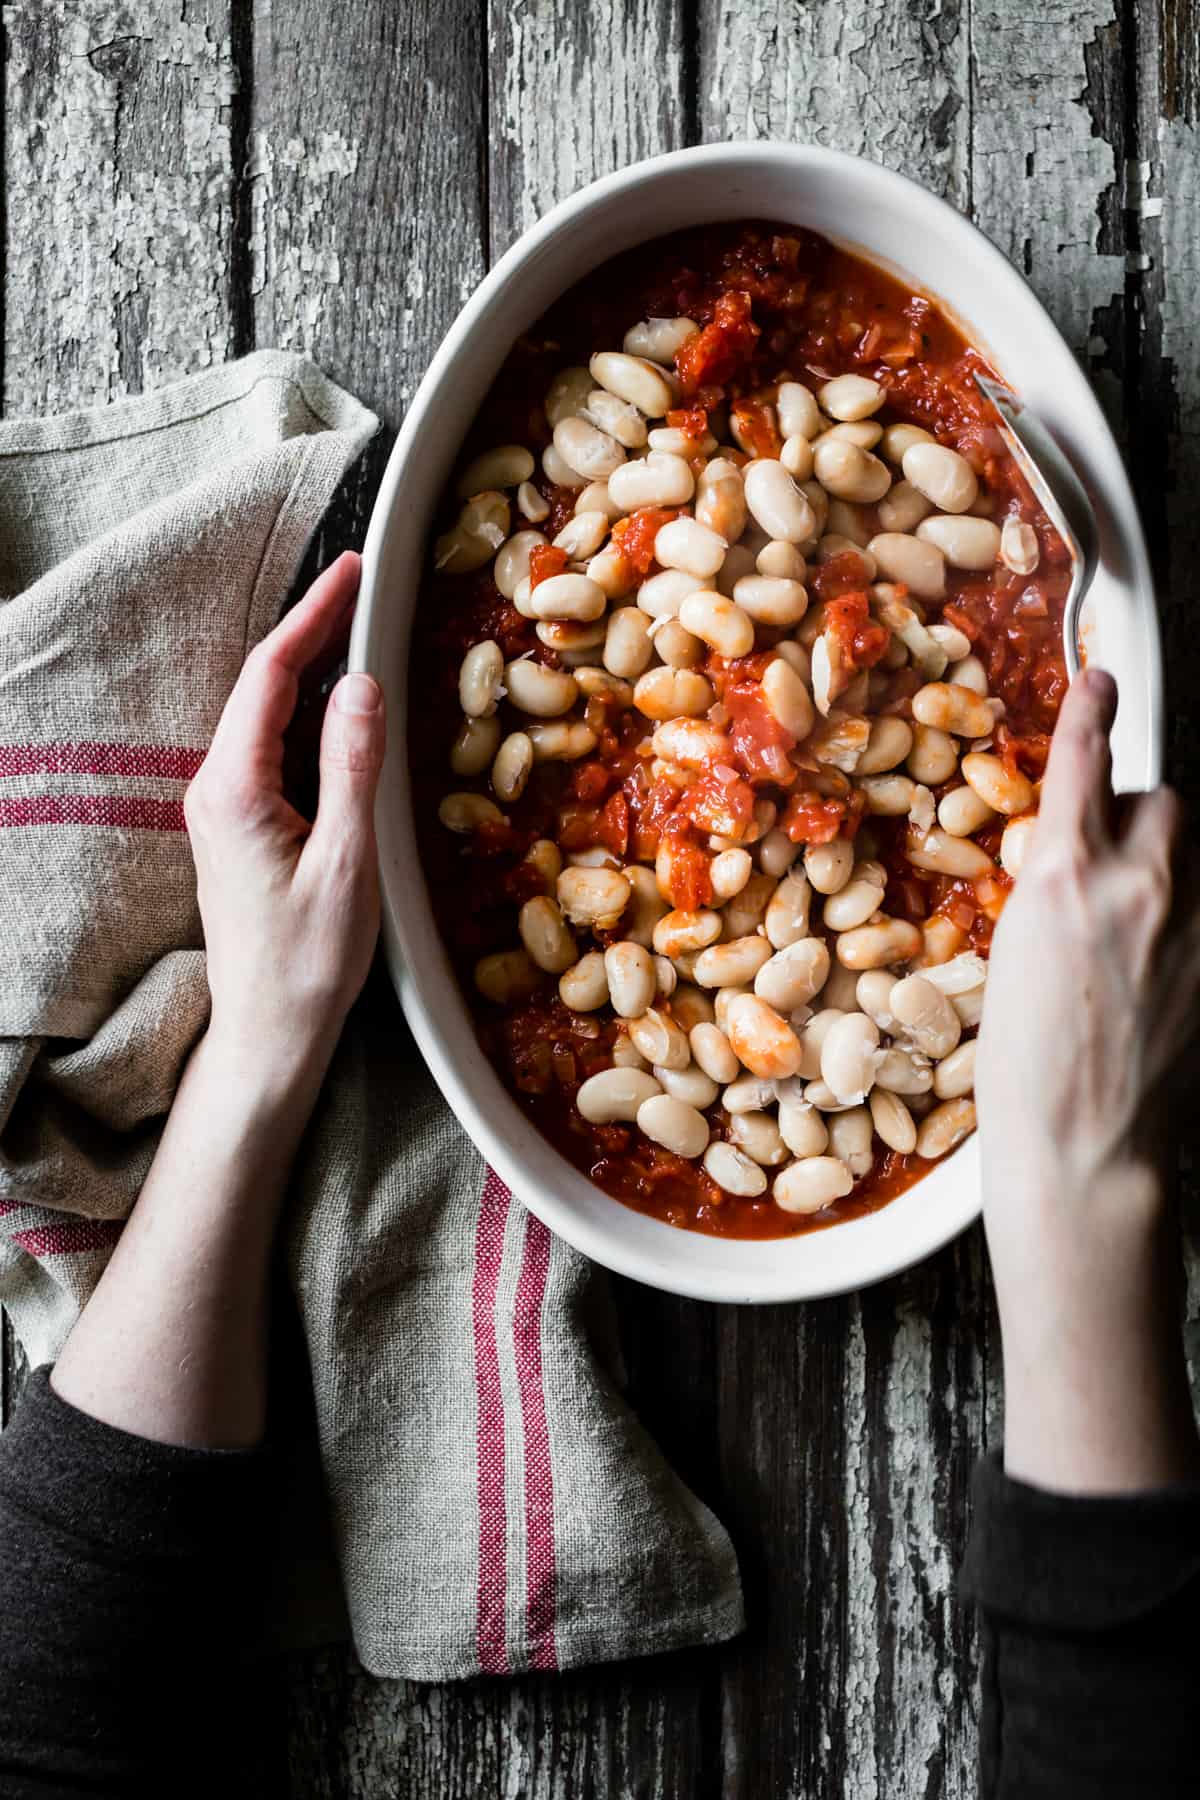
(494, 1504)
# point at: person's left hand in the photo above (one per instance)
(290, 908)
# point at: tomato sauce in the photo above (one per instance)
(770, 305)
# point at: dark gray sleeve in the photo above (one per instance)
(129, 1580)
(1091, 1641)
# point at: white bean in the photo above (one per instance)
(568, 597)
(567, 394)
(480, 679)
(545, 935)
(506, 975)
(954, 642)
(948, 706)
(875, 946)
(739, 561)
(657, 340)
(829, 866)
(961, 812)
(627, 644)
(616, 417)
(508, 465)
(691, 1007)
(1005, 790)
(713, 1052)
(511, 766)
(512, 561)
(633, 378)
(544, 693)
(969, 672)
(850, 1138)
(776, 503)
(583, 534)
(966, 543)
(849, 472)
(475, 745)
(925, 1017)
(616, 1094)
(787, 913)
(475, 536)
(729, 872)
(933, 758)
(762, 1041)
(678, 648)
(632, 982)
(794, 975)
(611, 573)
(465, 813)
(546, 858)
(797, 410)
(718, 622)
(851, 397)
(893, 1121)
(945, 855)
(691, 1085)
(686, 544)
(1014, 844)
(733, 1170)
(812, 1184)
(920, 566)
(596, 498)
(902, 1071)
(749, 1093)
(558, 470)
(848, 1057)
(672, 694)
(584, 986)
(942, 475)
(690, 743)
(531, 505)
(721, 500)
(678, 932)
(663, 595)
(787, 698)
(777, 853)
(945, 1127)
(897, 438)
(732, 964)
(797, 457)
(855, 903)
(955, 1074)
(561, 740)
(1019, 547)
(889, 743)
(903, 507)
(625, 1053)
(653, 480)
(673, 1124)
(660, 1040)
(888, 796)
(772, 599)
(801, 1127)
(757, 1134)
(593, 897)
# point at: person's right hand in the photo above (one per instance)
(1091, 1001)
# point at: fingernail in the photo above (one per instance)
(357, 694)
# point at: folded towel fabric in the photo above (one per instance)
(495, 1505)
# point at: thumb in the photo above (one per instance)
(352, 742)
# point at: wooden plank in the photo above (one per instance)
(117, 219)
(118, 182)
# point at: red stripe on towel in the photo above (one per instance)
(132, 812)
(490, 1634)
(170, 762)
(539, 1474)
(69, 1238)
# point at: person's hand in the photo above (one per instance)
(1090, 1003)
(290, 908)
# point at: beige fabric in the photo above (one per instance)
(494, 1505)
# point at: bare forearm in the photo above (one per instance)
(173, 1344)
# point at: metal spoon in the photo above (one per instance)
(1062, 495)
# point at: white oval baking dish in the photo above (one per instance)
(893, 221)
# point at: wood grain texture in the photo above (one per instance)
(189, 178)
(118, 185)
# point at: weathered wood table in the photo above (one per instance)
(186, 180)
